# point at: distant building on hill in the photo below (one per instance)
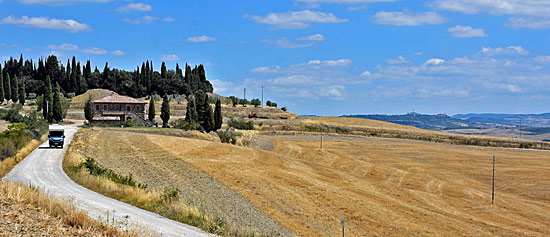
(116, 109)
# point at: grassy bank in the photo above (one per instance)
(56, 217)
(164, 202)
(7, 164)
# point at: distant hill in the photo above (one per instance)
(425, 121)
(529, 120)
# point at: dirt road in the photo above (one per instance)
(42, 169)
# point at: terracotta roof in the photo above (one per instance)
(118, 99)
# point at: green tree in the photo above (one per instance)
(191, 115)
(151, 113)
(22, 94)
(47, 100)
(165, 111)
(7, 87)
(256, 102)
(206, 118)
(218, 118)
(14, 89)
(88, 113)
(57, 104)
(1, 86)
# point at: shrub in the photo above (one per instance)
(96, 170)
(229, 136)
(283, 109)
(241, 124)
(185, 125)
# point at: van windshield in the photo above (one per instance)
(56, 134)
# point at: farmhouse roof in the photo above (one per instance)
(118, 99)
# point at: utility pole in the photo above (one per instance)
(493, 193)
(262, 95)
(343, 223)
(321, 137)
(244, 94)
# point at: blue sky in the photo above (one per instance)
(324, 57)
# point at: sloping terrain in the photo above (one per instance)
(379, 186)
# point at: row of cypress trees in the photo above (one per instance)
(11, 88)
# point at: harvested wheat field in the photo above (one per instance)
(379, 186)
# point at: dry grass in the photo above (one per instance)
(4, 125)
(26, 211)
(382, 187)
(154, 200)
(7, 164)
(357, 127)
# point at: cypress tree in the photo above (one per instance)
(73, 79)
(22, 94)
(7, 86)
(88, 113)
(151, 113)
(163, 71)
(208, 117)
(218, 117)
(14, 89)
(191, 115)
(1, 85)
(47, 100)
(57, 104)
(165, 111)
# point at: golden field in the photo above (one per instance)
(380, 186)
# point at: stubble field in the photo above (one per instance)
(379, 186)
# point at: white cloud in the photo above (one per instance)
(297, 20)
(46, 23)
(336, 91)
(510, 50)
(398, 60)
(170, 57)
(117, 52)
(366, 73)
(135, 7)
(496, 7)
(168, 19)
(529, 23)
(459, 31)
(434, 61)
(222, 86)
(542, 59)
(63, 47)
(315, 37)
(200, 39)
(94, 50)
(331, 63)
(408, 18)
(316, 3)
(57, 53)
(144, 20)
(272, 69)
(54, 2)
(284, 43)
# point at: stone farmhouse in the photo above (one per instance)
(116, 109)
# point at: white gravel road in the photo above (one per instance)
(42, 169)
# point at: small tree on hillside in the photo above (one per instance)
(191, 115)
(218, 117)
(14, 89)
(47, 100)
(88, 113)
(165, 111)
(7, 87)
(22, 94)
(1, 86)
(256, 102)
(268, 103)
(57, 104)
(151, 114)
(207, 117)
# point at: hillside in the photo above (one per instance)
(379, 186)
(528, 120)
(424, 121)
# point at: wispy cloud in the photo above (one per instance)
(135, 7)
(200, 39)
(510, 50)
(408, 18)
(297, 20)
(170, 57)
(144, 20)
(315, 37)
(117, 52)
(69, 25)
(496, 7)
(459, 31)
(316, 3)
(398, 60)
(94, 50)
(168, 19)
(285, 43)
(529, 23)
(63, 47)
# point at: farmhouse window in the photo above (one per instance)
(104, 107)
(128, 108)
(116, 107)
(97, 107)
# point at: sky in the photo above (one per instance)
(316, 57)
